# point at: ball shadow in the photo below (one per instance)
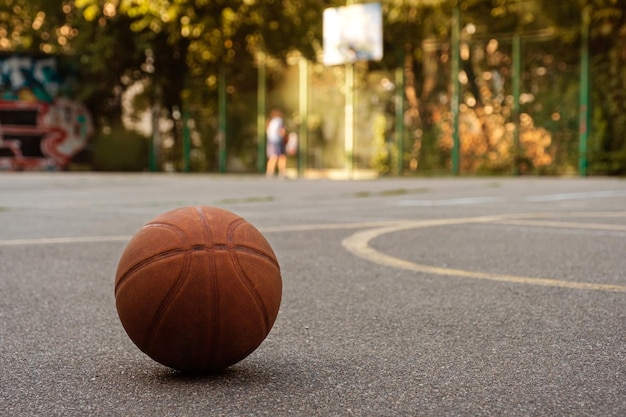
(243, 373)
(185, 376)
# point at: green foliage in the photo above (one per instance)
(35, 27)
(382, 159)
(176, 46)
(608, 135)
(120, 150)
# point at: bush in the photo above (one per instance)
(121, 150)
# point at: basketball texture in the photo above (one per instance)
(198, 289)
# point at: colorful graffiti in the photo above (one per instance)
(40, 128)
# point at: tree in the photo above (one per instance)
(175, 48)
(608, 69)
(186, 41)
(36, 27)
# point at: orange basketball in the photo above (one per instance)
(198, 289)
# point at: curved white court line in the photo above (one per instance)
(358, 245)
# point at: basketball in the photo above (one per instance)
(198, 289)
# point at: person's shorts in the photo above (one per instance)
(275, 149)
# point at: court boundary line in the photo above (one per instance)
(126, 238)
(358, 245)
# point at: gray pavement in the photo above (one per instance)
(402, 297)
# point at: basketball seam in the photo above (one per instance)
(238, 248)
(214, 328)
(170, 295)
(253, 251)
(242, 275)
(159, 256)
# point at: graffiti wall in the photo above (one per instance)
(40, 128)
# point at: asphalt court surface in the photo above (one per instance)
(402, 297)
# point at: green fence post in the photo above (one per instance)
(186, 129)
(517, 76)
(221, 93)
(155, 142)
(399, 128)
(454, 80)
(261, 112)
(349, 119)
(584, 112)
(303, 113)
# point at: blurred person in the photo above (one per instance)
(276, 139)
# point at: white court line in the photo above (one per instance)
(576, 196)
(542, 198)
(55, 240)
(358, 245)
(126, 238)
(328, 226)
(449, 202)
(566, 225)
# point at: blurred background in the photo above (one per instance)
(470, 87)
